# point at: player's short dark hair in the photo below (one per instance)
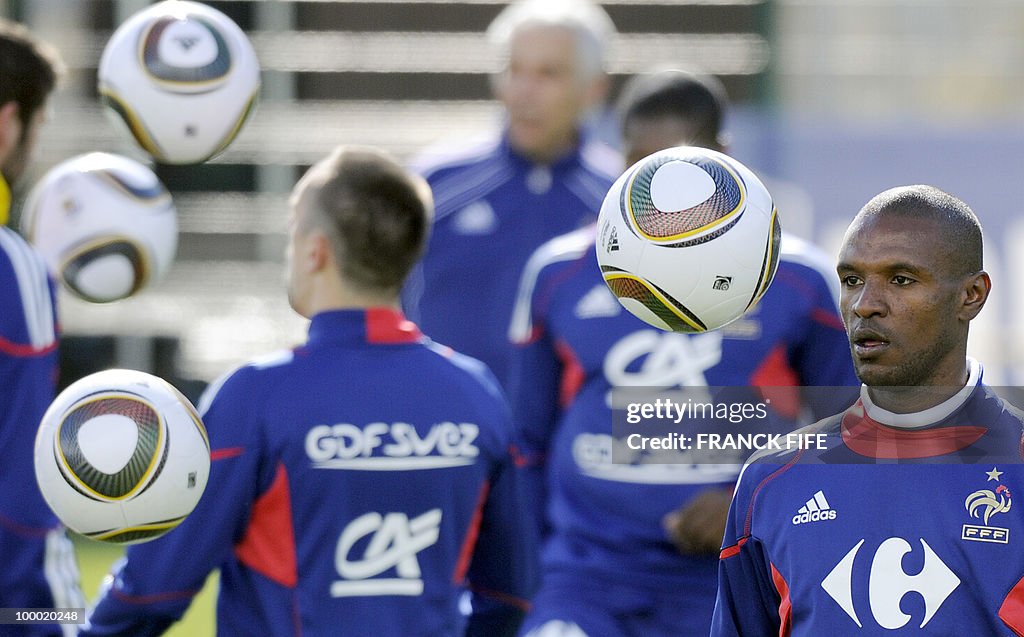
(961, 225)
(29, 69)
(699, 100)
(376, 214)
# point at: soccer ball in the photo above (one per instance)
(182, 78)
(688, 239)
(121, 456)
(105, 225)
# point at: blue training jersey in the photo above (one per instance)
(358, 484)
(575, 343)
(890, 527)
(493, 208)
(28, 378)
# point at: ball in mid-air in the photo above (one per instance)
(121, 456)
(688, 239)
(182, 78)
(105, 225)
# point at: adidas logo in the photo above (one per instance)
(597, 303)
(817, 509)
(613, 241)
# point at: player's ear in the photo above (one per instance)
(318, 252)
(974, 293)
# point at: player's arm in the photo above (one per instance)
(27, 304)
(156, 582)
(534, 376)
(503, 573)
(749, 600)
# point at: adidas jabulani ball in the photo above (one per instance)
(182, 78)
(105, 225)
(121, 456)
(688, 239)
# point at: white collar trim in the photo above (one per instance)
(929, 416)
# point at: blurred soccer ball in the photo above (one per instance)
(688, 239)
(104, 223)
(182, 78)
(121, 456)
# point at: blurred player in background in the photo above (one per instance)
(38, 563)
(360, 480)
(914, 529)
(610, 561)
(497, 202)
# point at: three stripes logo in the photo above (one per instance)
(613, 241)
(817, 509)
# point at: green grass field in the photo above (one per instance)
(95, 559)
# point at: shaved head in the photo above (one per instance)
(960, 228)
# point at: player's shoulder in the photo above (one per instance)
(26, 293)
(15, 251)
(465, 377)
(447, 157)
(797, 447)
(806, 266)
(547, 263)
(567, 248)
(462, 174)
(1006, 401)
(242, 384)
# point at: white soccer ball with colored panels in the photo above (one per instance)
(105, 224)
(182, 78)
(121, 456)
(688, 239)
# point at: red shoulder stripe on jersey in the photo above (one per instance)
(785, 603)
(268, 546)
(469, 543)
(573, 373)
(24, 351)
(753, 496)
(390, 327)
(227, 452)
(1012, 609)
(869, 438)
(730, 551)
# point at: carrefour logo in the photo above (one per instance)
(398, 446)
(888, 583)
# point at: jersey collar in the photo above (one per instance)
(565, 162)
(375, 325)
(871, 431)
(929, 416)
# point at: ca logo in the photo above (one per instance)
(666, 360)
(394, 544)
(888, 583)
